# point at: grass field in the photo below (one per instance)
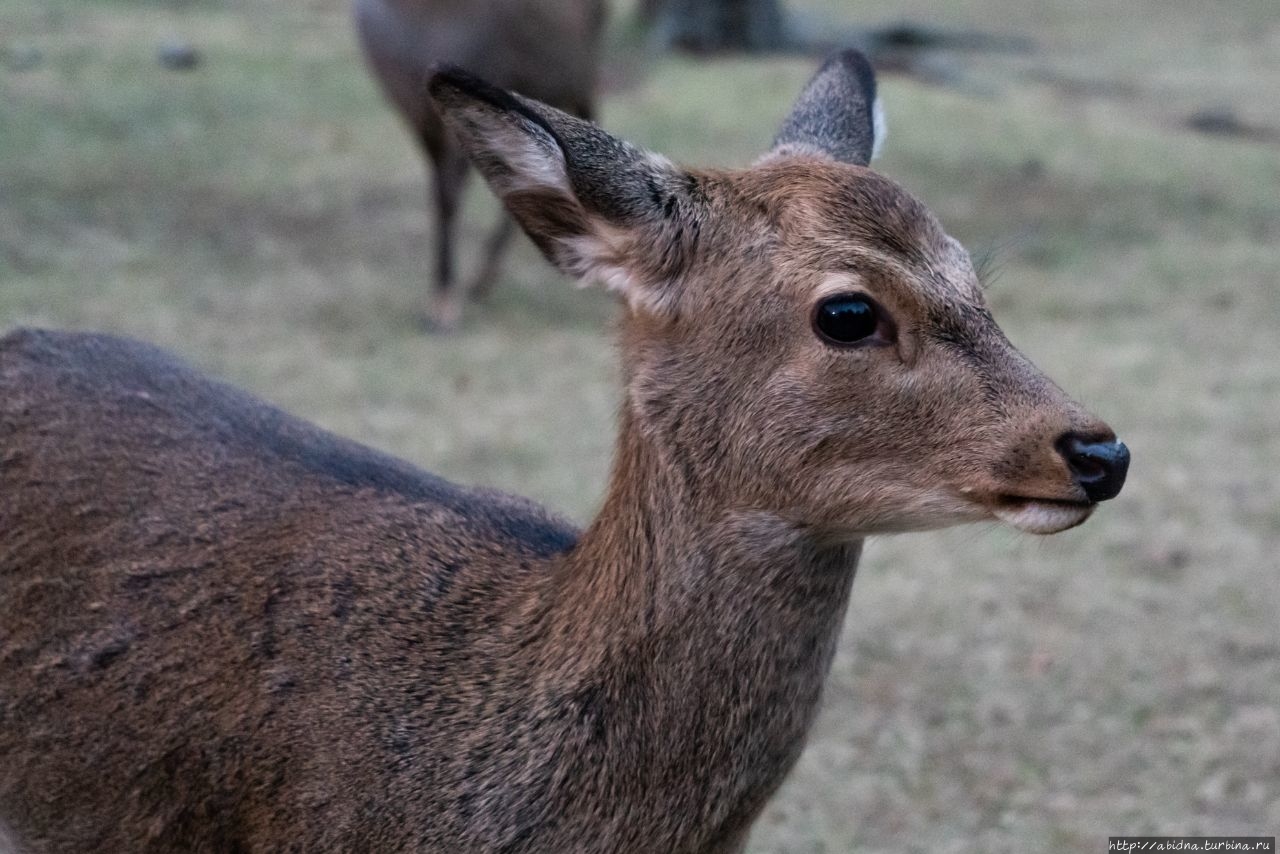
(263, 215)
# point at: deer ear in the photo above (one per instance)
(598, 208)
(837, 115)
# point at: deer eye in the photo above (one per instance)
(846, 319)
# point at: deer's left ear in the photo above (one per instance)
(837, 115)
(598, 208)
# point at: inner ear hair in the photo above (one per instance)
(598, 207)
(511, 143)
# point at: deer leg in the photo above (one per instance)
(491, 261)
(445, 310)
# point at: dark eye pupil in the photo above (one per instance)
(846, 319)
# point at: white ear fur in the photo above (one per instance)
(879, 127)
(599, 259)
(532, 159)
(591, 259)
(534, 162)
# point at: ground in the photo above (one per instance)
(262, 214)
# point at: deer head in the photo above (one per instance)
(801, 337)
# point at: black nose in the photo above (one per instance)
(1099, 467)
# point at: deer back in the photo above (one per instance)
(221, 627)
(547, 49)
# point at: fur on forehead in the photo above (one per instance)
(832, 210)
(837, 218)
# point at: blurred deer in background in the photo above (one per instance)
(544, 49)
(224, 629)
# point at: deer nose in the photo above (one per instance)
(1099, 467)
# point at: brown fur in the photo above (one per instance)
(545, 49)
(222, 629)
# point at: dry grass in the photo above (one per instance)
(263, 216)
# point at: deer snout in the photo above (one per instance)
(1099, 467)
(1053, 476)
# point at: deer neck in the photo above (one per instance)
(708, 628)
(735, 606)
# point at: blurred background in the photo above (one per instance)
(224, 178)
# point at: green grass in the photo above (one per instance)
(264, 216)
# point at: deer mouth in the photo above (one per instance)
(1041, 515)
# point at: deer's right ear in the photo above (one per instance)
(837, 115)
(598, 208)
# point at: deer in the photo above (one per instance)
(546, 49)
(224, 629)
